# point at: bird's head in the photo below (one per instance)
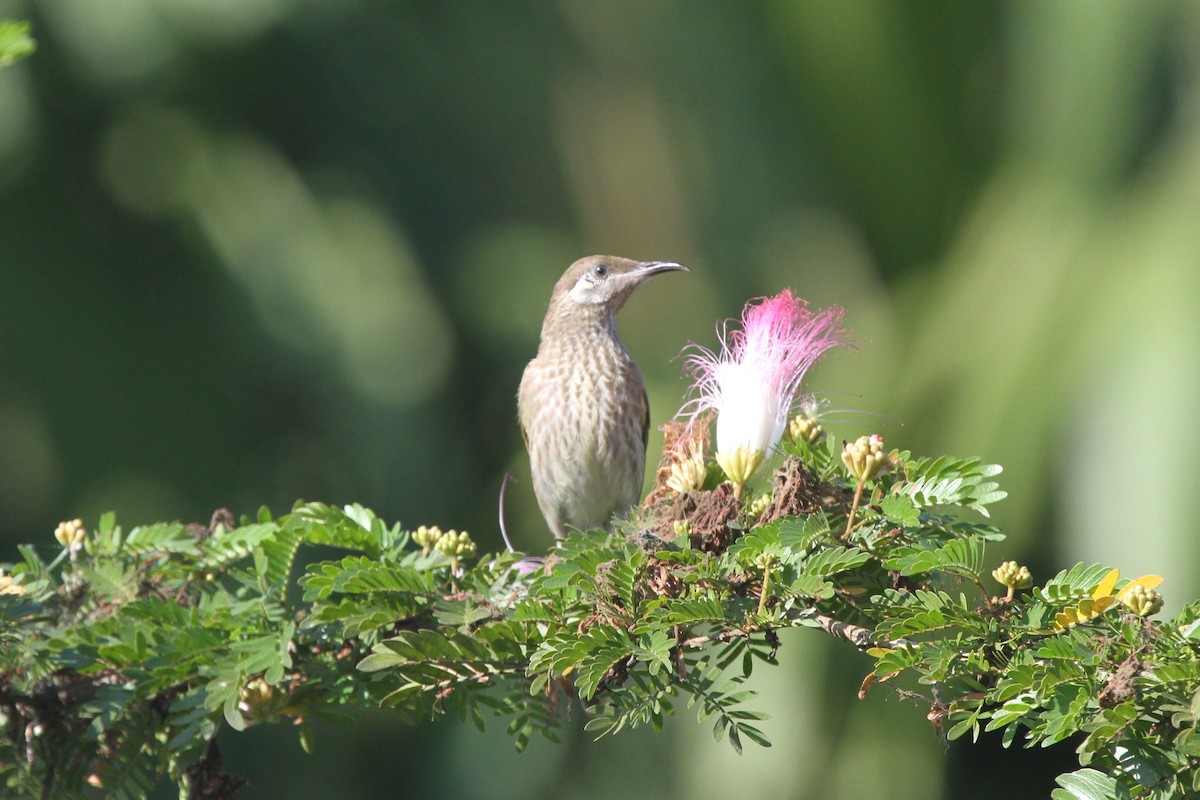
(600, 285)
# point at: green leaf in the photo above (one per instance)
(1072, 584)
(754, 543)
(958, 556)
(896, 660)
(901, 509)
(1073, 646)
(798, 533)
(225, 547)
(362, 575)
(833, 560)
(233, 716)
(969, 722)
(460, 613)
(279, 553)
(111, 581)
(948, 481)
(15, 42)
(1088, 784)
(1012, 711)
(805, 585)
(169, 537)
(352, 527)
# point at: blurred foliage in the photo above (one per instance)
(15, 42)
(126, 655)
(254, 251)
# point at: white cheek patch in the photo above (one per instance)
(583, 292)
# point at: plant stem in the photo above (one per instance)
(766, 589)
(853, 508)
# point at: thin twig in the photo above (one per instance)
(853, 508)
(860, 637)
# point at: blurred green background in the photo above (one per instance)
(259, 250)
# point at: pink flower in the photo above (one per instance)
(753, 382)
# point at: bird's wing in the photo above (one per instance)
(523, 403)
(645, 418)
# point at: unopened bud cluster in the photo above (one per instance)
(758, 505)
(766, 561)
(262, 702)
(70, 534)
(427, 537)
(688, 475)
(865, 458)
(1013, 575)
(455, 544)
(803, 428)
(1142, 601)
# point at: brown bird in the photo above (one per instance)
(582, 403)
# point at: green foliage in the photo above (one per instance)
(137, 647)
(950, 481)
(15, 42)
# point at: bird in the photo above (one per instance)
(582, 402)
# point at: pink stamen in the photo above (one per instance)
(778, 341)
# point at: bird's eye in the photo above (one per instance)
(600, 271)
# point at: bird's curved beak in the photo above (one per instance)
(647, 268)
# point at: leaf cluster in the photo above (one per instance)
(122, 658)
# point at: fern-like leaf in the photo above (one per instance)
(947, 481)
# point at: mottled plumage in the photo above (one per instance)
(582, 402)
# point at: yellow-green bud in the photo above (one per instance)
(803, 428)
(70, 534)
(683, 528)
(766, 561)
(262, 702)
(427, 537)
(865, 458)
(740, 464)
(758, 505)
(1013, 575)
(1142, 601)
(455, 544)
(687, 475)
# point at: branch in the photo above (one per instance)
(157, 638)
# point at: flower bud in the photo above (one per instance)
(865, 458)
(70, 534)
(427, 537)
(1142, 601)
(1013, 575)
(455, 544)
(758, 505)
(261, 702)
(803, 428)
(687, 475)
(766, 561)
